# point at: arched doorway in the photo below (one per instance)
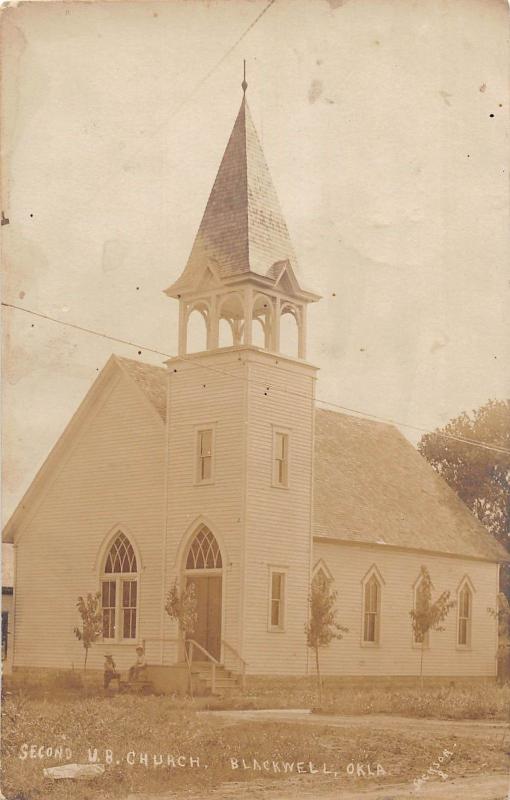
(203, 568)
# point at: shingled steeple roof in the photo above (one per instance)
(242, 229)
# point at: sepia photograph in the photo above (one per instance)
(255, 400)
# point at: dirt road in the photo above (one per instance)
(471, 728)
(492, 786)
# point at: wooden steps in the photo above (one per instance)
(224, 683)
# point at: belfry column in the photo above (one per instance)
(213, 326)
(183, 325)
(275, 345)
(248, 314)
(302, 333)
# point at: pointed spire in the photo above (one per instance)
(244, 85)
(242, 229)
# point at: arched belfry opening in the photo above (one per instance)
(241, 275)
(203, 569)
(197, 325)
(231, 316)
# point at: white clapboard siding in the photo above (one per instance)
(199, 396)
(278, 519)
(112, 473)
(395, 654)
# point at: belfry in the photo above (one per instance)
(242, 267)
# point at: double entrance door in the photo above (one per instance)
(208, 626)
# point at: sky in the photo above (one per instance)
(385, 127)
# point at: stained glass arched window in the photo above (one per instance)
(121, 556)
(204, 552)
(119, 593)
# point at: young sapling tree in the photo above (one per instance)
(322, 626)
(502, 615)
(428, 615)
(181, 606)
(91, 614)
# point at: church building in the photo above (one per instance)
(218, 468)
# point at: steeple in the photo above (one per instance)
(242, 243)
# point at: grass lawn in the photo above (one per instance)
(476, 701)
(196, 750)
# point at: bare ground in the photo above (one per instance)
(488, 787)
(443, 727)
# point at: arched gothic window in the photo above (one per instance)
(119, 590)
(465, 604)
(371, 610)
(320, 578)
(204, 552)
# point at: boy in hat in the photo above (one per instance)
(139, 666)
(110, 673)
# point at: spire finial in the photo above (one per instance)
(244, 85)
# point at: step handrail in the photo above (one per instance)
(241, 659)
(211, 658)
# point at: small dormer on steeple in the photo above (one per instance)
(241, 272)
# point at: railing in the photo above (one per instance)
(214, 662)
(239, 658)
(206, 653)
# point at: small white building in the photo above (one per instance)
(218, 469)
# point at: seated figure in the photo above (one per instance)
(140, 665)
(110, 672)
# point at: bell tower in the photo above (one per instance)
(242, 267)
(240, 423)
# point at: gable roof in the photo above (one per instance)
(143, 378)
(243, 228)
(372, 486)
(150, 380)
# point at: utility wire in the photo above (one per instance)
(196, 87)
(364, 414)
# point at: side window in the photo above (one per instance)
(280, 459)
(276, 599)
(205, 444)
(465, 604)
(119, 591)
(371, 610)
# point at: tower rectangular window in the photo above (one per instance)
(281, 459)
(277, 599)
(205, 440)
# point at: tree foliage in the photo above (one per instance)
(322, 626)
(502, 614)
(91, 615)
(480, 476)
(427, 614)
(181, 606)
